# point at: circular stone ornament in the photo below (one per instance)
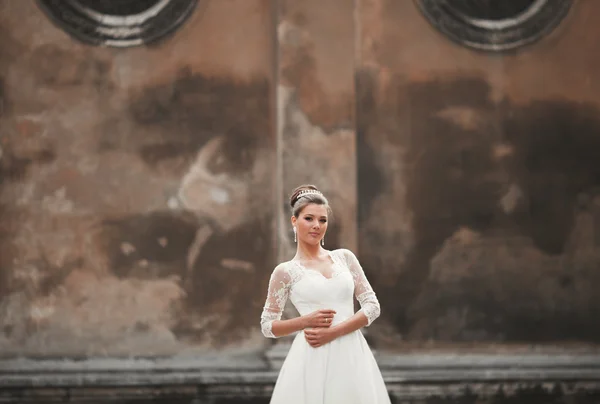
(494, 25)
(118, 23)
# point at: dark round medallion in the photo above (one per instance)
(120, 23)
(493, 25)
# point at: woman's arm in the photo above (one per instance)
(271, 324)
(282, 328)
(369, 305)
(270, 321)
(356, 322)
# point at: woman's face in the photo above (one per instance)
(311, 224)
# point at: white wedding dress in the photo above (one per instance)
(343, 371)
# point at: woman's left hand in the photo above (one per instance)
(317, 337)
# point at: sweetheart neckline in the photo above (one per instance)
(334, 262)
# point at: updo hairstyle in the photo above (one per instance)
(305, 195)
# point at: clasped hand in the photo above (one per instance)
(317, 331)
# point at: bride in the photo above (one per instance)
(329, 362)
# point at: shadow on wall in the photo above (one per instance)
(504, 202)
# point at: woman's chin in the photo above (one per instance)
(313, 241)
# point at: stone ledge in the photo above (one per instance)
(408, 377)
(253, 369)
(480, 393)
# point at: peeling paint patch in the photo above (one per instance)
(57, 203)
(219, 195)
(509, 201)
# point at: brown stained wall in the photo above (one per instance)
(143, 191)
(316, 112)
(479, 181)
(136, 208)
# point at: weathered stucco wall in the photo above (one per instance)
(136, 186)
(479, 181)
(143, 191)
(316, 111)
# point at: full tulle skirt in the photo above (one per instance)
(343, 371)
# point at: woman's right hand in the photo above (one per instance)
(319, 318)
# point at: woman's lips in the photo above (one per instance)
(314, 234)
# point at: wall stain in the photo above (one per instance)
(6, 250)
(455, 180)
(194, 109)
(229, 297)
(176, 122)
(10, 49)
(54, 66)
(179, 119)
(370, 178)
(557, 158)
(148, 245)
(172, 121)
(299, 70)
(14, 168)
(167, 126)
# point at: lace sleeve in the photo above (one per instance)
(279, 289)
(362, 288)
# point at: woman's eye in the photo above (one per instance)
(323, 221)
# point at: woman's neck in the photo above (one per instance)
(308, 252)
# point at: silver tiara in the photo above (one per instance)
(308, 192)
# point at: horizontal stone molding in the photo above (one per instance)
(255, 370)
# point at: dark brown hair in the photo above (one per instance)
(299, 202)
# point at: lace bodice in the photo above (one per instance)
(309, 290)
